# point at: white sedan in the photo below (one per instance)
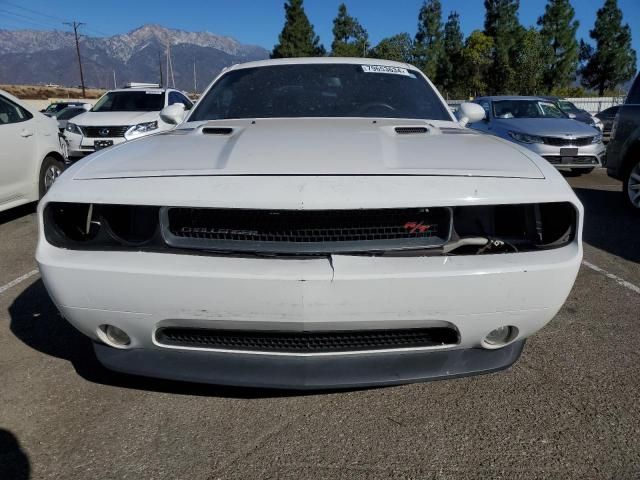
(311, 223)
(32, 154)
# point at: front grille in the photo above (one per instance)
(105, 132)
(306, 342)
(306, 232)
(563, 142)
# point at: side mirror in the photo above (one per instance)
(87, 106)
(173, 114)
(470, 113)
(572, 116)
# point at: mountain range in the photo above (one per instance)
(35, 56)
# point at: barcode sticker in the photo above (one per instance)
(386, 69)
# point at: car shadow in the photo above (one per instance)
(609, 224)
(35, 321)
(14, 462)
(17, 212)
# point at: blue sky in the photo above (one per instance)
(259, 21)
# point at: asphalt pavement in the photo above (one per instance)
(567, 409)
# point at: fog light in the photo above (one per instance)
(116, 336)
(501, 336)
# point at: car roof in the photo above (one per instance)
(319, 61)
(139, 89)
(497, 98)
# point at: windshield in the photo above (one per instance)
(526, 109)
(138, 101)
(69, 112)
(321, 90)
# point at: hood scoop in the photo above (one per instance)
(411, 130)
(217, 130)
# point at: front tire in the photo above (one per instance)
(631, 186)
(49, 172)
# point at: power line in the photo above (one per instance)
(75, 25)
(58, 19)
(25, 19)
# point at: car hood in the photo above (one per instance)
(313, 147)
(91, 119)
(546, 127)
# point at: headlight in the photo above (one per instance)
(598, 123)
(524, 138)
(73, 128)
(141, 129)
(597, 139)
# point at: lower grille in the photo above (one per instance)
(585, 160)
(306, 231)
(306, 342)
(105, 132)
(562, 142)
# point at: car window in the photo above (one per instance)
(69, 112)
(176, 97)
(132, 101)
(526, 109)
(568, 107)
(12, 113)
(486, 106)
(609, 112)
(634, 92)
(321, 90)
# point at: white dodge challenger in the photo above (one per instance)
(311, 223)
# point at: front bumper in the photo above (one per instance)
(140, 292)
(80, 146)
(590, 156)
(308, 373)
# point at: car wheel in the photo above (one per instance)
(49, 172)
(631, 186)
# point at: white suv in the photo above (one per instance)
(121, 115)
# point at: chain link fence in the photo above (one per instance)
(592, 105)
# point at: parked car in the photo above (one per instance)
(53, 109)
(317, 222)
(623, 151)
(31, 156)
(63, 116)
(540, 126)
(121, 115)
(576, 113)
(607, 116)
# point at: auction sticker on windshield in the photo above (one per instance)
(386, 69)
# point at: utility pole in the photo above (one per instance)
(115, 85)
(160, 68)
(75, 25)
(195, 82)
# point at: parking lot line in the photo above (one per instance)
(620, 281)
(18, 280)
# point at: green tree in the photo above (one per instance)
(558, 29)
(450, 65)
(297, 38)
(613, 61)
(477, 58)
(502, 24)
(350, 39)
(531, 57)
(398, 48)
(428, 42)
